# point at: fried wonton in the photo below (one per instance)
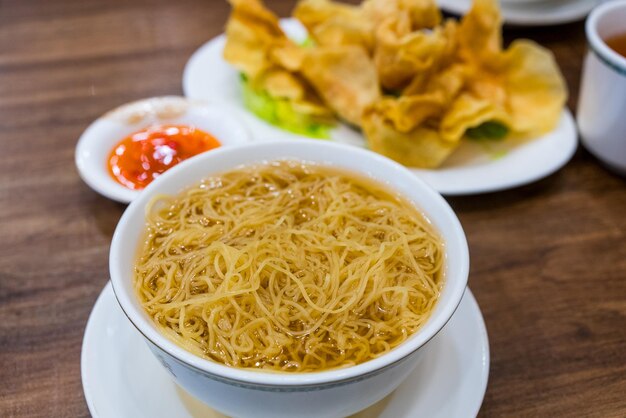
(251, 31)
(523, 82)
(331, 23)
(406, 112)
(345, 77)
(444, 64)
(536, 91)
(270, 62)
(287, 55)
(467, 112)
(422, 13)
(404, 56)
(522, 85)
(313, 13)
(421, 147)
(280, 83)
(480, 32)
(417, 85)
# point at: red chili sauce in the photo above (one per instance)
(141, 157)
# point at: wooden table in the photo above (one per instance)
(548, 260)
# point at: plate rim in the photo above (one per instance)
(510, 13)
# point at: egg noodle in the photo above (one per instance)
(288, 266)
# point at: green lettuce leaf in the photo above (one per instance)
(279, 112)
(492, 130)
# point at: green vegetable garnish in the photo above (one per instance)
(279, 112)
(488, 130)
(308, 43)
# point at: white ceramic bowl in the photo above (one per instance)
(334, 393)
(95, 144)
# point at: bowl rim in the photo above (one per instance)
(597, 43)
(271, 379)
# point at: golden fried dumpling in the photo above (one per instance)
(404, 56)
(251, 32)
(535, 89)
(312, 13)
(422, 147)
(280, 83)
(407, 112)
(480, 32)
(441, 79)
(331, 23)
(422, 13)
(345, 77)
(287, 55)
(465, 112)
(522, 82)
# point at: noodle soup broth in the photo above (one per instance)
(288, 266)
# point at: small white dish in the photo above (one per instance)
(531, 13)
(471, 169)
(121, 378)
(95, 144)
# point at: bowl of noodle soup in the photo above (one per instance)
(286, 279)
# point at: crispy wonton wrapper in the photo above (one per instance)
(476, 82)
(345, 77)
(442, 78)
(251, 31)
(480, 32)
(418, 144)
(331, 23)
(404, 56)
(422, 13)
(421, 147)
(467, 112)
(523, 83)
(535, 89)
(257, 46)
(280, 83)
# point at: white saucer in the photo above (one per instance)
(121, 377)
(471, 169)
(95, 144)
(536, 13)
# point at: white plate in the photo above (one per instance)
(121, 377)
(536, 13)
(471, 169)
(95, 144)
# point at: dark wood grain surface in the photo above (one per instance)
(548, 260)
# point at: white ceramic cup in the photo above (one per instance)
(527, 3)
(602, 102)
(333, 393)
